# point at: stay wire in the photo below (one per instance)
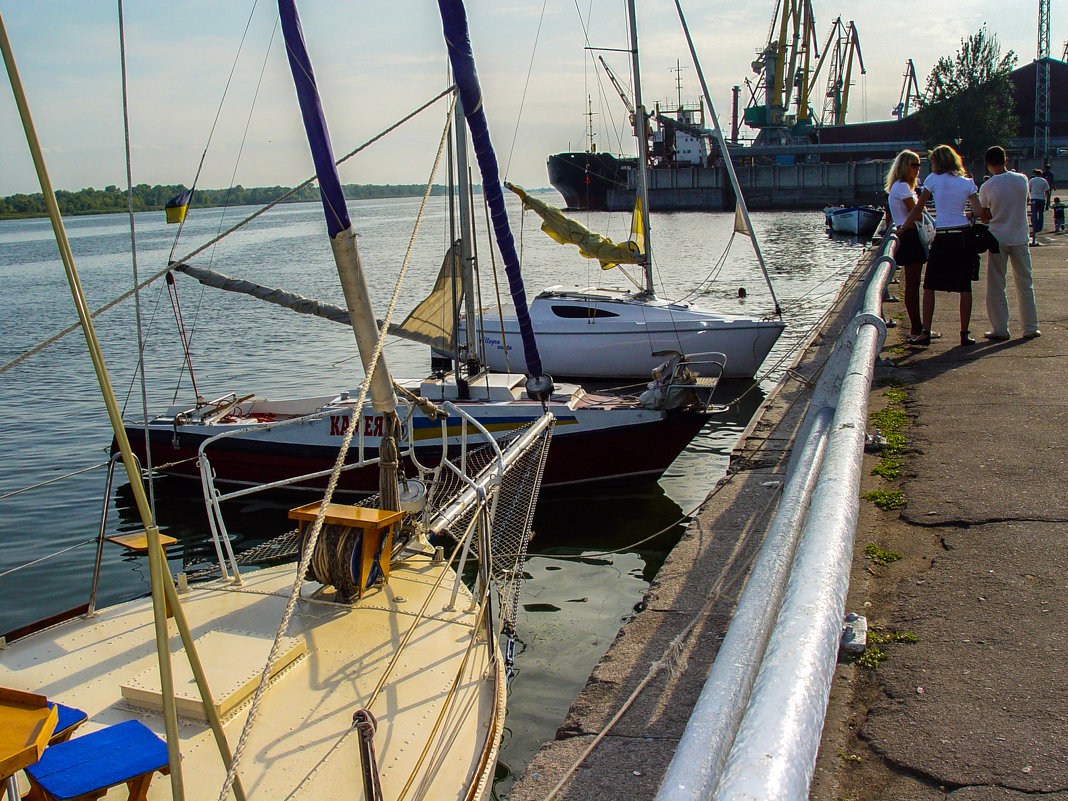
(188, 340)
(280, 199)
(215, 122)
(526, 86)
(133, 255)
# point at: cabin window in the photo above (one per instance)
(581, 312)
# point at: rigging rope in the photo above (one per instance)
(172, 293)
(282, 198)
(317, 526)
(673, 652)
(526, 85)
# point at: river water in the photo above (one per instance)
(576, 594)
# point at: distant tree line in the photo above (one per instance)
(153, 198)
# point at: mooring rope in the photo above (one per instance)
(672, 652)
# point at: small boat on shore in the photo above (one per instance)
(856, 220)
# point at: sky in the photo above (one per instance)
(377, 61)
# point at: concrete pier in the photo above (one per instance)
(974, 708)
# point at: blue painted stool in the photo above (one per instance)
(85, 768)
(70, 718)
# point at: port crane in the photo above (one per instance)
(780, 103)
(910, 93)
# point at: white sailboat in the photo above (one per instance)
(381, 677)
(610, 333)
(243, 439)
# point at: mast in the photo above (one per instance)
(339, 227)
(458, 41)
(643, 148)
(467, 256)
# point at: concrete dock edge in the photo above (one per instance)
(667, 648)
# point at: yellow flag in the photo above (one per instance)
(571, 232)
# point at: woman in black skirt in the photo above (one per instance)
(952, 263)
(910, 254)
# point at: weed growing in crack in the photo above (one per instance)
(886, 499)
(879, 556)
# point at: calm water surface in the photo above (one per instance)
(576, 595)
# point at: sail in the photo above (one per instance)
(431, 322)
(740, 226)
(458, 42)
(571, 232)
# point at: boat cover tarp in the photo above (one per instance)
(458, 42)
(567, 231)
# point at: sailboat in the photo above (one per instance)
(594, 332)
(366, 670)
(245, 440)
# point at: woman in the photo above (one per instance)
(951, 263)
(910, 254)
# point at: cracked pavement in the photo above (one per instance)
(975, 710)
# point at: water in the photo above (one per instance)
(576, 595)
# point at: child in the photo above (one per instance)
(1058, 215)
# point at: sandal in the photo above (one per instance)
(920, 340)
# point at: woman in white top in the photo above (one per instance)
(910, 253)
(952, 264)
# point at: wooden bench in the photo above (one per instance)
(377, 527)
(85, 768)
(138, 540)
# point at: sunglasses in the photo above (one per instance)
(915, 164)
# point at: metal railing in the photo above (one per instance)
(756, 727)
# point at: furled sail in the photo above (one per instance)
(571, 232)
(458, 42)
(432, 322)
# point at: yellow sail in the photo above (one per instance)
(591, 245)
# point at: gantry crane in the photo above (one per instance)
(1042, 83)
(910, 93)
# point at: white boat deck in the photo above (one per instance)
(303, 744)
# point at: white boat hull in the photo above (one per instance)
(605, 334)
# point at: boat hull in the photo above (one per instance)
(585, 179)
(611, 336)
(857, 220)
(594, 443)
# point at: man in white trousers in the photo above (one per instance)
(1004, 197)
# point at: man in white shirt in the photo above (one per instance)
(1004, 199)
(1038, 192)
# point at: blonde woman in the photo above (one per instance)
(951, 264)
(910, 254)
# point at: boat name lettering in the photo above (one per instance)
(496, 343)
(372, 425)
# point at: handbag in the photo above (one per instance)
(926, 229)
